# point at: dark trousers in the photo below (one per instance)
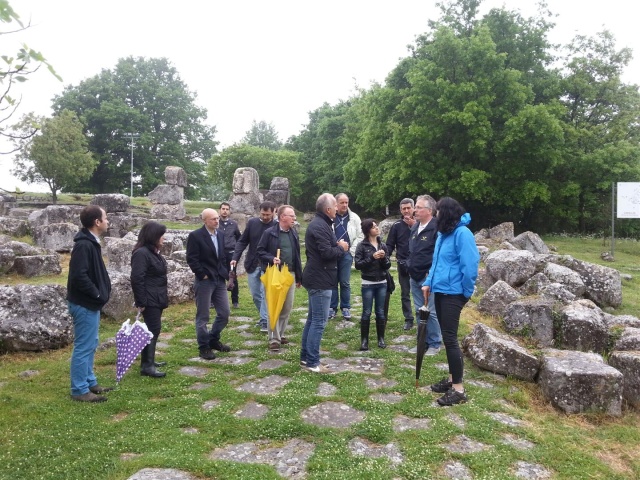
(234, 292)
(152, 317)
(206, 291)
(405, 293)
(448, 308)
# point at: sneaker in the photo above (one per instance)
(274, 347)
(431, 351)
(98, 389)
(303, 363)
(408, 324)
(284, 341)
(218, 345)
(264, 329)
(442, 386)
(207, 354)
(452, 397)
(88, 397)
(318, 369)
(346, 313)
(332, 313)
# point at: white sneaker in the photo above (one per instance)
(431, 351)
(318, 369)
(413, 350)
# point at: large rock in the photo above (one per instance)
(279, 183)
(175, 176)
(531, 242)
(37, 265)
(629, 340)
(55, 236)
(621, 320)
(120, 304)
(583, 328)
(7, 203)
(34, 317)
(628, 363)
(246, 203)
(7, 257)
(55, 214)
(169, 194)
(495, 300)
(603, 284)
(118, 252)
(514, 267)
(578, 382)
(22, 249)
(169, 212)
(567, 277)
(279, 197)
(180, 285)
(120, 223)
(501, 232)
(385, 225)
(14, 226)
(111, 202)
(246, 180)
(531, 317)
(172, 243)
(500, 353)
(558, 292)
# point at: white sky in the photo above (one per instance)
(272, 60)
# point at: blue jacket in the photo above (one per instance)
(455, 261)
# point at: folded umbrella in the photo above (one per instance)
(276, 285)
(130, 340)
(391, 286)
(422, 338)
(233, 278)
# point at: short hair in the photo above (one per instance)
(430, 202)
(268, 205)
(449, 213)
(340, 195)
(404, 201)
(366, 225)
(150, 234)
(227, 204)
(90, 214)
(324, 201)
(282, 208)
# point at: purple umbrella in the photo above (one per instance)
(130, 340)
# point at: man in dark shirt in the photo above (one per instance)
(231, 234)
(398, 240)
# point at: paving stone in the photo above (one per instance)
(332, 414)
(463, 444)
(190, 430)
(342, 346)
(210, 405)
(272, 364)
(200, 386)
(118, 417)
(233, 360)
(188, 340)
(161, 474)
(408, 366)
(531, 471)
(399, 348)
(242, 320)
(364, 448)
(2, 384)
(442, 366)
(516, 442)
(253, 343)
(402, 423)
(355, 364)
(326, 390)
(201, 360)
(28, 373)
(290, 460)
(265, 386)
(375, 383)
(456, 471)
(387, 397)
(506, 419)
(197, 372)
(344, 324)
(480, 383)
(162, 345)
(245, 334)
(165, 336)
(457, 420)
(242, 327)
(241, 353)
(252, 411)
(129, 456)
(404, 339)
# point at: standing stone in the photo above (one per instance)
(279, 191)
(246, 196)
(628, 363)
(175, 176)
(169, 194)
(111, 202)
(168, 200)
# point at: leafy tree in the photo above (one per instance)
(57, 156)
(263, 135)
(144, 96)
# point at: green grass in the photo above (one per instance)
(46, 436)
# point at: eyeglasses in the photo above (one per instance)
(292, 216)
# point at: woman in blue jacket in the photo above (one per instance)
(452, 278)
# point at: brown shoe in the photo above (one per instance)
(88, 397)
(274, 347)
(284, 341)
(98, 389)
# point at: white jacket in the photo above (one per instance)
(354, 230)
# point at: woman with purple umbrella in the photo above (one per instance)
(149, 285)
(452, 278)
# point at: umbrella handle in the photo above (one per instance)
(278, 253)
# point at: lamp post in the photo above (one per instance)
(132, 137)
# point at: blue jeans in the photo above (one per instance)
(256, 288)
(376, 292)
(434, 337)
(85, 341)
(317, 317)
(206, 291)
(344, 276)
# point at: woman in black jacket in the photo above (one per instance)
(372, 259)
(149, 284)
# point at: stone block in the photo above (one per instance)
(567, 277)
(583, 328)
(175, 176)
(246, 180)
(169, 212)
(7, 257)
(111, 202)
(512, 266)
(501, 232)
(532, 317)
(531, 242)
(603, 284)
(14, 227)
(629, 340)
(120, 304)
(495, 300)
(628, 363)
(169, 194)
(56, 236)
(37, 265)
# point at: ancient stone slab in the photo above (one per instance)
(516, 442)
(246, 180)
(534, 284)
(628, 363)
(375, 383)
(583, 328)
(629, 339)
(279, 197)
(55, 236)
(514, 267)
(531, 317)
(326, 390)
(480, 384)
(231, 360)
(557, 292)
(402, 423)
(577, 382)
(180, 285)
(621, 320)
(456, 420)
(245, 203)
(190, 430)
(169, 212)
(355, 364)
(120, 304)
(531, 471)
(14, 226)
(603, 284)
(7, 258)
(210, 405)
(21, 249)
(567, 277)
(495, 300)
(332, 414)
(197, 372)
(252, 411)
(166, 194)
(501, 232)
(161, 474)
(506, 419)
(200, 386)
(456, 471)
(175, 176)
(464, 444)
(272, 364)
(387, 397)
(37, 265)
(364, 448)
(531, 242)
(265, 386)
(111, 202)
(118, 252)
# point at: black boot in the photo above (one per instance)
(147, 361)
(364, 334)
(159, 364)
(381, 325)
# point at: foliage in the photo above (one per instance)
(148, 97)
(58, 156)
(263, 135)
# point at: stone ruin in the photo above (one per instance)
(168, 199)
(246, 197)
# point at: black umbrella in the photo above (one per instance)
(391, 286)
(231, 284)
(422, 339)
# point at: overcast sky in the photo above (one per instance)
(271, 60)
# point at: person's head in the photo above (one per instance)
(151, 233)
(343, 203)
(370, 227)
(210, 218)
(449, 213)
(327, 204)
(94, 218)
(425, 208)
(266, 211)
(286, 216)
(225, 210)
(406, 207)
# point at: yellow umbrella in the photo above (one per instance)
(276, 282)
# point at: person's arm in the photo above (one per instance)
(262, 250)
(79, 269)
(327, 247)
(467, 251)
(193, 256)
(392, 239)
(359, 260)
(386, 260)
(139, 266)
(241, 244)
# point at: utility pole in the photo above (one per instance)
(132, 138)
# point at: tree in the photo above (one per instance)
(263, 135)
(144, 96)
(57, 156)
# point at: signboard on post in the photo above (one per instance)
(628, 200)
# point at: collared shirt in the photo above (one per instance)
(214, 239)
(341, 222)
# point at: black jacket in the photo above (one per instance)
(269, 245)
(398, 240)
(202, 257)
(323, 252)
(251, 237)
(421, 249)
(88, 284)
(149, 278)
(231, 236)
(372, 269)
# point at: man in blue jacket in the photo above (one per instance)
(88, 290)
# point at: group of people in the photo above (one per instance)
(436, 255)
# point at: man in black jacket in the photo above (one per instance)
(398, 240)
(231, 236)
(206, 258)
(250, 238)
(88, 290)
(319, 277)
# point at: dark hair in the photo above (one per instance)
(449, 213)
(150, 234)
(366, 225)
(227, 204)
(268, 205)
(89, 215)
